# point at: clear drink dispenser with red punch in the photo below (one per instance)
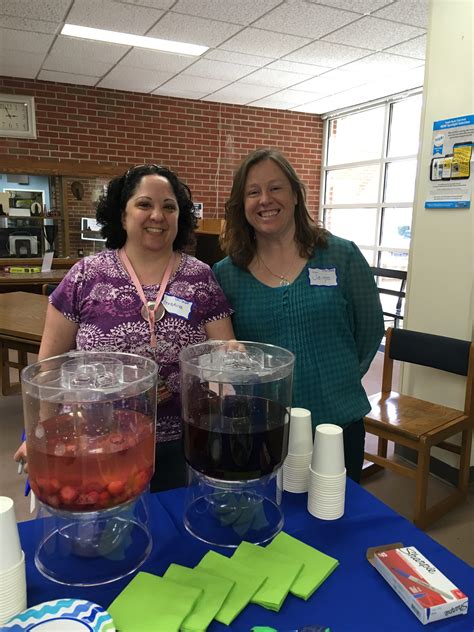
(90, 434)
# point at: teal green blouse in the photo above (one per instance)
(330, 317)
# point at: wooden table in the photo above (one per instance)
(10, 281)
(22, 316)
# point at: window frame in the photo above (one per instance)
(382, 161)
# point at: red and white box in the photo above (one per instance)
(428, 593)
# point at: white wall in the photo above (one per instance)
(440, 293)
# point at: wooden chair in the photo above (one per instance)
(419, 424)
(396, 315)
(48, 288)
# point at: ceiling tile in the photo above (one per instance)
(374, 33)
(180, 94)
(285, 99)
(330, 82)
(305, 19)
(293, 66)
(31, 43)
(240, 93)
(192, 30)
(359, 6)
(413, 12)
(196, 85)
(413, 48)
(77, 64)
(20, 65)
(113, 16)
(275, 78)
(24, 24)
(49, 10)
(218, 70)
(328, 54)
(154, 4)
(242, 12)
(326, 104)
(62, 77)
(87, 50)
(156, 60)
(265, 43)
(133, 79)
(236, 58)
(381, 63)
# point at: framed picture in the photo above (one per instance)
(25, 202)
(90, 230)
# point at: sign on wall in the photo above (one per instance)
(451, 163)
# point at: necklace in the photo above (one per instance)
(152, 311)
(283, 277)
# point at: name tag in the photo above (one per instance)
(322, 276)
(178, 306)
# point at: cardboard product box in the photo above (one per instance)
(428, 593)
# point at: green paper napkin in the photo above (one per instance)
(317, 566)
(214, 592)
(152, 604)
(246, 583)
(280, 571)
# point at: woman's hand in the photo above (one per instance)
(20, 455)
(235, 345)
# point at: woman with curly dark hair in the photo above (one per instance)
(142, 295)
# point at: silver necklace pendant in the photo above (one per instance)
(284, 282)
(160, 312)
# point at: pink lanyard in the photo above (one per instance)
(149, 307)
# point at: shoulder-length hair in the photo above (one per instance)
(238, 237)
(111, 206)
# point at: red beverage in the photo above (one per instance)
(76, 466)
(235, 437)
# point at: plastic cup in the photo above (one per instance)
(10, 548)
(300, 440)
(13, 592)
(9, 576)
(328, 450)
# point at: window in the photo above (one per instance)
(369, 178)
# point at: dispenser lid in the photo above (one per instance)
(236, 362)
(89, 376)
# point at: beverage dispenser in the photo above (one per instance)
(236, 400)
(90, 434)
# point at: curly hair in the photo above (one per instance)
(238, 236)
(111, 205)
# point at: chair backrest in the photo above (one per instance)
(438, 352)
(48, 288)
(397, 314)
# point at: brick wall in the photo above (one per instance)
(202, 141)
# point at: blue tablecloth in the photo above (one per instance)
(354, 598)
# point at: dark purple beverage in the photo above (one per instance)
(235, 437)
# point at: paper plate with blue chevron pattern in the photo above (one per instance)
(62, 615)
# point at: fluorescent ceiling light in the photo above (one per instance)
(139, 41)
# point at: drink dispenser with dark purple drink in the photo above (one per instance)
(90, 434)
(236, 400)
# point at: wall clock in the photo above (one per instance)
(17, 116)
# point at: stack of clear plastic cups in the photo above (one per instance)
(327, 474)
(300, 448)
(12, 564)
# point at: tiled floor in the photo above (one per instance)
(455, 531)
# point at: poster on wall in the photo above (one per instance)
(451, 164)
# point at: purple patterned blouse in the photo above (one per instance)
(98, 295)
